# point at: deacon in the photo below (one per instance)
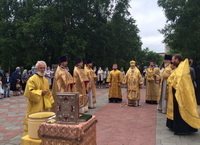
(133, 80)
(163, 93)
(182, 112)
(115, 79)
(81, 84)
(152, 83)
(92, 84)
(38, 94)
(63, 80)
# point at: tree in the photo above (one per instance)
(182, 31)
(102, 30)
(146, 56)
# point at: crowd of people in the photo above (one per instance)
(16, 82)
(172, 87)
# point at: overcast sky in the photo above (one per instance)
(149, 18)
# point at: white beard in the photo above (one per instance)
(40, 74)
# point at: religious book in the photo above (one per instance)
(67, 108)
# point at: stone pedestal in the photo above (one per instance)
(83, 133)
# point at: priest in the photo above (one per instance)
(38, 94)
(63, 80)
(152, 83)
(81, 84)
(182, 112)
(163, 92)
(115, 79)
(133, 80)
(91, 89)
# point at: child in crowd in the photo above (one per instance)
(6, 85)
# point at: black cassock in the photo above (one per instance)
(178, 125)
(197, 90)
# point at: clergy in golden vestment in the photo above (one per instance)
(115, 79)
(38, 94)
(152, 83)
(91, 89)
(63, 80)
(81, 84)
(182, 112)
(163, 92)
(133, 80)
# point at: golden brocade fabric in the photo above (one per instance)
(181, 81)
(81, 84)
(91, 89)
(33, 92)
(92, 78)
(63, 82)
(157, 75)
(115, 78)
(164, 76)
(149, 74)
(152, 83)
(133, 80)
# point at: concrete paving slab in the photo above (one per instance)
(117, 123)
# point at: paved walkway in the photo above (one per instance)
(166, 137)
(117, 124)
(12, 113)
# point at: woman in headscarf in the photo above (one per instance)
(25, 77)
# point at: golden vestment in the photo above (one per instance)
(63, 82)
(163, 91)
(81, 84)
(181, 81)
(152, 84)
(36, 102)
(133, 80)
(164, 76)
(115, 78)
(91, 86)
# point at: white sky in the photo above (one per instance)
(149, 19)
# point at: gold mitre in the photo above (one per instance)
(132, 63)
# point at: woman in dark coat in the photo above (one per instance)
(16, 81)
